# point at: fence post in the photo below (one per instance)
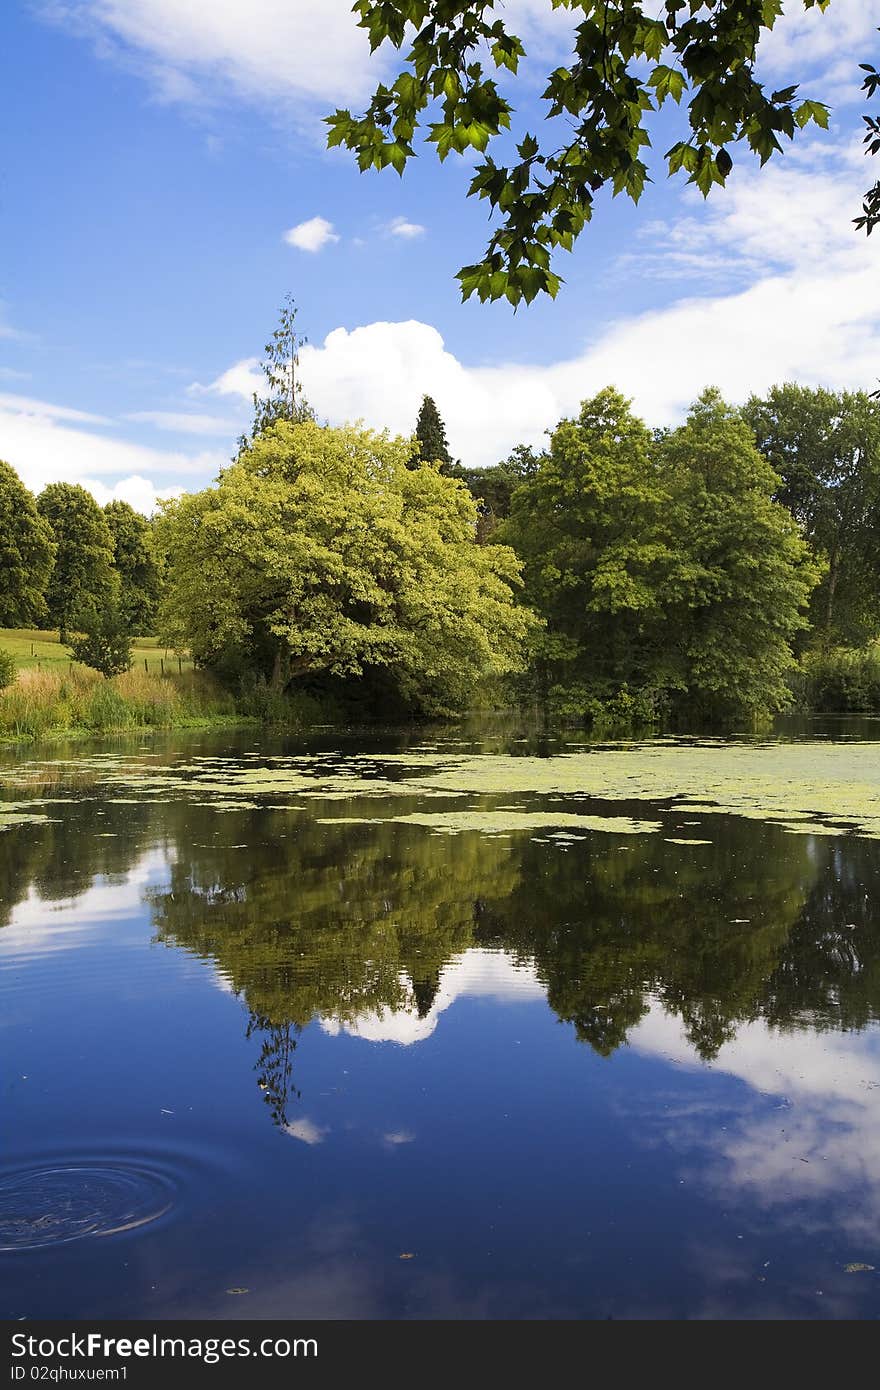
(146, 667)
(179, 667)
(162, 664)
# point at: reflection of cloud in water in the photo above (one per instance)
(306, 1130)
(479, 973)
(43, 926)
(820, 1141)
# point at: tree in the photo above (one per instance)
(105, 641)
(137, 564)
(27, 551)
(627, 62)
(284, 398)
(825, 446)
(492, 488)
(588, 526)
(83, 574)
(661, 566)
(746, 574)
(320, 554)
(431, 435)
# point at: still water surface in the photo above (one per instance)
(403, 1026)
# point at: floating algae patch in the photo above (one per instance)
(771, 781)
(503, 822)
(829, 788)
(682, 840)
(21, 813)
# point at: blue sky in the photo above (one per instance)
(160, 156)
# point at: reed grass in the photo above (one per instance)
(41, 703)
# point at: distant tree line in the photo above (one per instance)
(67, 563)
(616, 574)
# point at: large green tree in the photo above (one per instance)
(745, 576)
(83, 575)
(321, 553)
(825, 446)
(137, 564)
(627, 60)
(27, 551)
(661, 565)
(589, 526)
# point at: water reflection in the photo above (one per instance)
(718, 1057)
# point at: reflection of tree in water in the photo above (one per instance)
(830, 971)
(274, 1066)
(310, 920)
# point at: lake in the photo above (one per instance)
(456, 1024)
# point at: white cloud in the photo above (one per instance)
(26, 405)
(299, 51)
(312, 236)
(826, 48)
(140, 493)
(184, 422)
(805, 306)
(43, 449)
(242, 379)
(407, 231)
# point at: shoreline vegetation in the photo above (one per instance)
(54, 699)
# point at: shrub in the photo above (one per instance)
(839, 680)
(105, 641)
(7, 668)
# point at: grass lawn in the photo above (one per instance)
(31, 647)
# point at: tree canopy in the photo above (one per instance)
(661, 566)
(825, 446)
(27, 552)
(628, 60)
(137, 563)
(321, 553)
(83, 575)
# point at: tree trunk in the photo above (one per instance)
(833, 572)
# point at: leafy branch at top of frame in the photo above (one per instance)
(625, 64)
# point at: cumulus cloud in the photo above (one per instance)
(42, 444)
(241, 379)
(301, 51)
(403, 228)
(312, 236)
(789, 291)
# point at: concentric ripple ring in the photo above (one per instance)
(55, 1205)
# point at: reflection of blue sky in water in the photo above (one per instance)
(526, 1172)
(811, 1135)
